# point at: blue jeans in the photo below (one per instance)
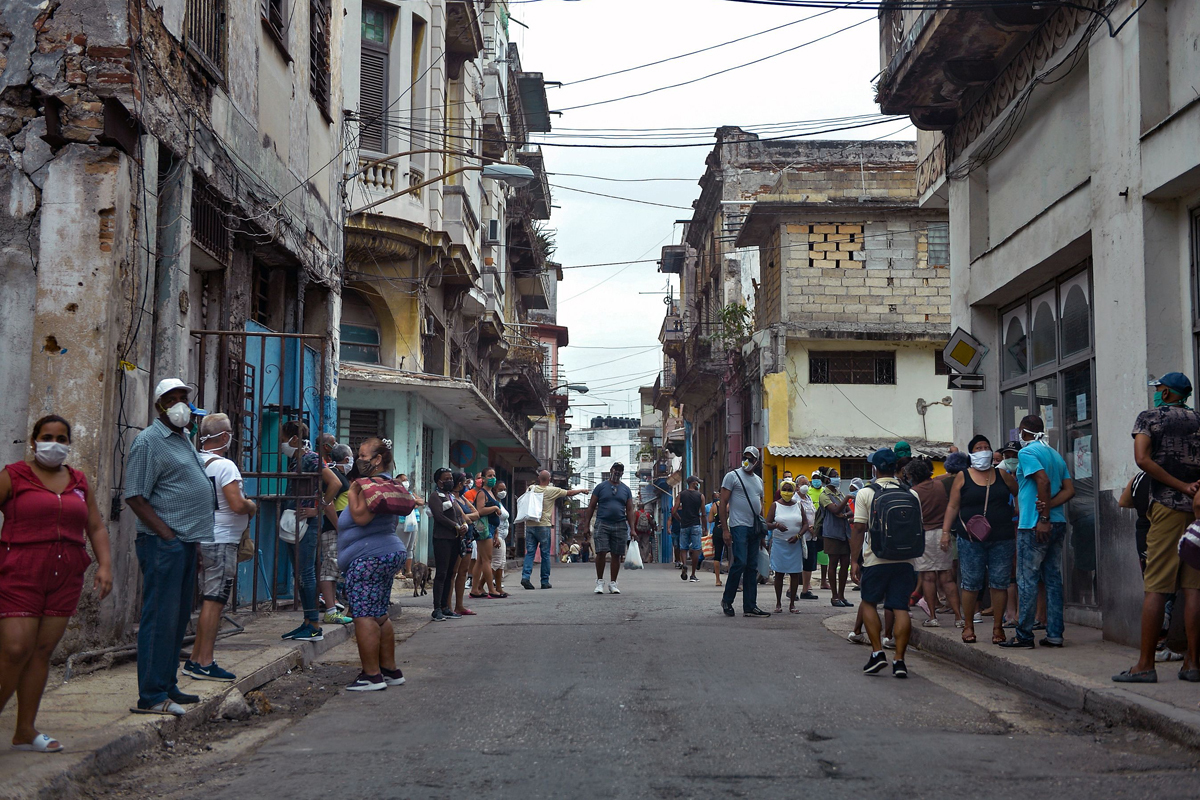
(536, 537)
(744, 567)
(1040, 561)
(303, 556)
(168, 583)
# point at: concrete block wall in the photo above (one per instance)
(869, 275)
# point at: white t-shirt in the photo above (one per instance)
(862, 515)
(227, 526)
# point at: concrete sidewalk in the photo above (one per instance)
(1077, 676)
(91, 716)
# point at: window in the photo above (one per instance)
(373, 85)
(851, 468)
(1048, 369)
(940, 367)
(591, 462)
(575, 452)
(206, 33)
(847, 367)
(938, 234)
(591, 437)
(318, 53)
(605, 451)
(356, 425)
(275, 17)
(359, 330)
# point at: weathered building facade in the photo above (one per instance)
(1062, 142)
(852, 311)
(167, 169)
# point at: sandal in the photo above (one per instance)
(793, 610)
(969, 638)
(465, 612)
(499, 596)
(40, 744)
(999, 637)
(474, 596)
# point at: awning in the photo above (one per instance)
(854, 448)
(460, 400)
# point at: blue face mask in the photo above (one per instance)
(835, 482)
(816, 482)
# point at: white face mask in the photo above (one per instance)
(212, 436)
(747, 465)
(51, 455)
(1038, 436)
(179, 414)
(288, 450)
(346, 467)
(981, 459)
(404, 484)
(501, 494)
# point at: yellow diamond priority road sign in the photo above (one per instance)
(964, 352)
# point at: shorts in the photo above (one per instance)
(499, 553)
(836, 547)
(933, 559)
(994, 557)
(689, 538)
(218, 567)
(327, 566)
(41, 580)
(485, 534)
(890, 584)
(610, 537)
(718, 538)
(810, 558)
(1164, 570)
(369, 584)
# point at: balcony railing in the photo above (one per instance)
(381, 176)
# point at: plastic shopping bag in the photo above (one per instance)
(764, 564)
(529, 507)
(410, 522)
(633, 557)
(706, 545)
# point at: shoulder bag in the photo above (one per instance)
(386, 496)
(978, 526)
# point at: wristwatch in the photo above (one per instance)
(1044, 518)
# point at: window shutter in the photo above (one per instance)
(356, 425)
(371, 101)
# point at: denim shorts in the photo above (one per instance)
(994, 556)
(689, 537)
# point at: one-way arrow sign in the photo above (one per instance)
(970, 383)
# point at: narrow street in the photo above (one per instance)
(654, 693)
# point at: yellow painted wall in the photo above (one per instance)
(776, 403)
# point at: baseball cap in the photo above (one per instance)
(693, 480)
(884, 458)
(617, 467)
(1175, 381)
(170, 384)
(751, 451)
(197, 412)
(902, 449)
(1011, 445)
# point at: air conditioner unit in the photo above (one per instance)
(491, 233)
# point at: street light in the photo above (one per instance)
(571, 387)
(512, 174)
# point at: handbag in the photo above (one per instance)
(978, 525)
(288, 528)
(529, 507)
(1189, 546)
(386, 496)
(246, 546)
(760, 524)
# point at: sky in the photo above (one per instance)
(614, 312)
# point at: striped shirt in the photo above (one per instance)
(165, 468)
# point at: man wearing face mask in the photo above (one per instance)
(1164, 446)
(174, 501)
(741, 506)
(218, 559)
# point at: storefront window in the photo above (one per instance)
(1057, 384)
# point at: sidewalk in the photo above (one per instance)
(91, 717)
(1078, 676)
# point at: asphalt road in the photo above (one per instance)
(653, 693)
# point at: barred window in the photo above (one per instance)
(318, 58)
(275, 17)
(206, 32)
(850, 367)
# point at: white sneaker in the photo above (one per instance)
(977, 619)
(612, 588)
(889, 644)
(1166, 654)
(931, 623)
(858, 638)
(599, 586)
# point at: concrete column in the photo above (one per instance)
(961, 228)
(172, 275)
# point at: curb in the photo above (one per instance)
(1067, 690)
(118, 753)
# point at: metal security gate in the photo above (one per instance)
(263, 379)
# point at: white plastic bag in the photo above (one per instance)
(288, 527)
(410, 522)
(764, 564)
(633, 556)
(529, 507)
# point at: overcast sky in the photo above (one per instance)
(605, 307)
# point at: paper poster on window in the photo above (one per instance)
(1081, 407)
(1048, 416)
(1082, 458)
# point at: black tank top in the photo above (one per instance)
(999, 510)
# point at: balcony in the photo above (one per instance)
(522, 386)
(495, 112)
(464, 34)
(534, 289)
(532, 200)
(491, 323)
(935, 60)
(674, 257)
(671, 335)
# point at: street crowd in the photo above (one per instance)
(904, 539)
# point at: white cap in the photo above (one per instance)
(169, 384)
(752, 451)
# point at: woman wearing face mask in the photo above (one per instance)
(369, 556)
(328, 572)
(49, 510)
(791, 519)
(462, 485)
(982, 494)
(933, 567)
(449, 525)
(500, 541)
(835, 535)
(488, 507)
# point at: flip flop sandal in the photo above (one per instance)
(999, 638)
(969, 638)
(500, 596)
(793, 611)
(466, 612)
(478, 596)
(40, 744)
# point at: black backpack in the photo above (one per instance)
(897, 533)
